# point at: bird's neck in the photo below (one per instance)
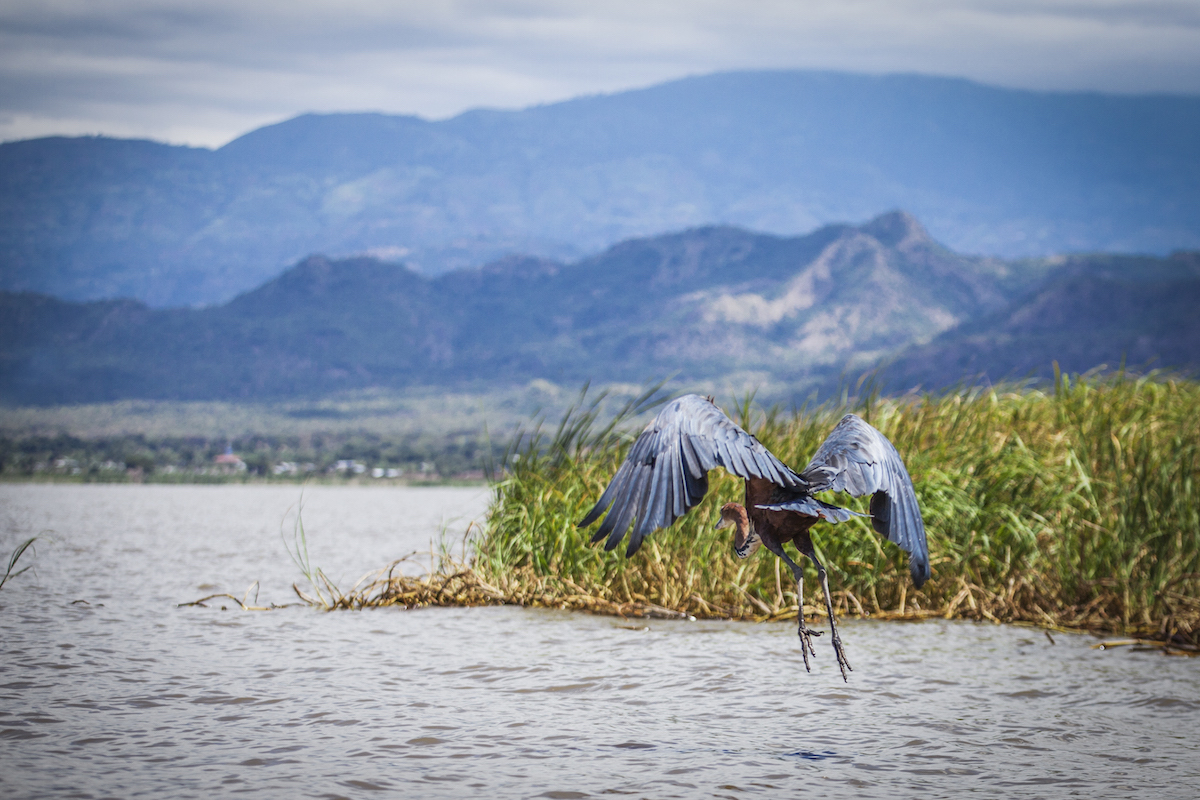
(745, 539)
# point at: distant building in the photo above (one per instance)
(228, 462)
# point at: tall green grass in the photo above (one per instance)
(1077, 506)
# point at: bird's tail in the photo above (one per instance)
(812, 507)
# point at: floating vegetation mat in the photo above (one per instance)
(1073, 508)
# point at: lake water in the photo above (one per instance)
(126, 695)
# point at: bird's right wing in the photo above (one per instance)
(858, 459)
(666, 470)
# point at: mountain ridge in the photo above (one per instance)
(990, 170)
(710, 304)
(1105, 311)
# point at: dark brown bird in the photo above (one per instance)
(666, 473)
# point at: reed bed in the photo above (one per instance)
(1073, 507)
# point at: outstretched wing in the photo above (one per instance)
(666, 471)
(858, 459)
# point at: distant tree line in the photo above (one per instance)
(195, 458)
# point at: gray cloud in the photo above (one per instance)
(205, 73)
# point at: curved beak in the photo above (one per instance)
(724, 523)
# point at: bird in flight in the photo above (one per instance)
(666, 473)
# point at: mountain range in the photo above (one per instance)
(715, 305)
(994, 171)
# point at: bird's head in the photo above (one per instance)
(745, 539)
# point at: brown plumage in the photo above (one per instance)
(666, 473)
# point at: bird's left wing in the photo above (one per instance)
(858, 459)
(666, 470)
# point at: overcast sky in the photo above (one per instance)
(202, 73)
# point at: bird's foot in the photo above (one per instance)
(843, 663)
(806, 646)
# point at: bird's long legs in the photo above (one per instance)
(806, 633)
(843, 664)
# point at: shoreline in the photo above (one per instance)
(234, 480)
(462, 587)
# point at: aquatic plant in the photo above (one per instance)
(1075, 506)
(15, 557)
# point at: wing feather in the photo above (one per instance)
(764, 466)
(666, 470)
(666, 480)
(679, 487)
(642, 525)
(626, 514)
(858, 459)
(654, 503)
(707, 459)
(695, 468)
(724, 456)
(614, 492)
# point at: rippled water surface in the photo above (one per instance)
(107, 689)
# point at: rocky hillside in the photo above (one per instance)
(1094, 311)
(707, 304)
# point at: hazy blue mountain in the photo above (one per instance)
(1093, 311)
(715, 303)
(991, 171)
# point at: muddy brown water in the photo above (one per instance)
(126, 695)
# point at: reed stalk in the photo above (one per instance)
(10, 570)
